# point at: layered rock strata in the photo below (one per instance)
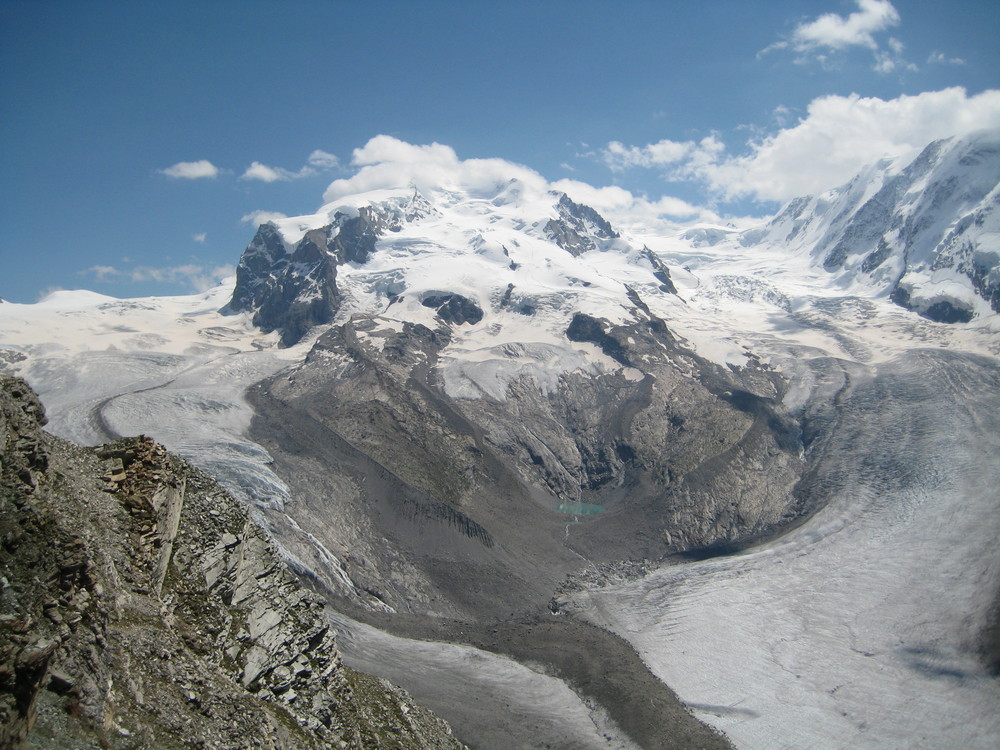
(141, 606)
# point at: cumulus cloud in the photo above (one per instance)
(662, 153)
(387, 162)
(103, 273)
(831, 33)
(835, 32)
(838, 136)
(196, 277)
(200, 237)
(262, 217)
(264, 173)
(191, 170)
(620, 205)
(891, 59)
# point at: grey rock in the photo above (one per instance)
(287, 291)
(138, 618)
(577, 227)
(474, 508)
(454, 308)
(292, 289)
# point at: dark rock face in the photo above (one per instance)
(963, 255)
(293, 289)
(356, 239)
(939, 312)
(142, 607)
(879, 214)
(288, 292)
(877, 256)
(454, 308)
(576, 227)
(585, 328)
(661, 271)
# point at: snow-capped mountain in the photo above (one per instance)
(507, 338)
(924, 232)
(474, 409)
(494, 256)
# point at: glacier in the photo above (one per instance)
(857, 629)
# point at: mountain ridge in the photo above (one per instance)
(922, 232)
(163, 616)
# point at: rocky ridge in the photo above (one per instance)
(141, 606)
(292, 287)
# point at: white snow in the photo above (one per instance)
(173, 368)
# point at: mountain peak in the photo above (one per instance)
(453, 258)
(923, 232)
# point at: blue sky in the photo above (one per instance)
(112, 110)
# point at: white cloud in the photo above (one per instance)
(684, 155)
(262, 217)
(834, 32)
(620, 205)
(264, 173)
(940, 58)
(323, 160)
(838, 136)
(891, 60)
(318, 161)
(618, 156)
(830, 33)
(191, 170)
(104, 273)
(200, 237)
(205, 279)
(387, 162)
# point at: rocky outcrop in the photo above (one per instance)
(578, 228)
(660, 271)
(472, 507)
(292, 287)
(141, 606)
(454, 308)
(287, 290)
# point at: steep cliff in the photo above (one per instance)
(141, 606)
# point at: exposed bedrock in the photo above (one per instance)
(142, 606)
(469, 507)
